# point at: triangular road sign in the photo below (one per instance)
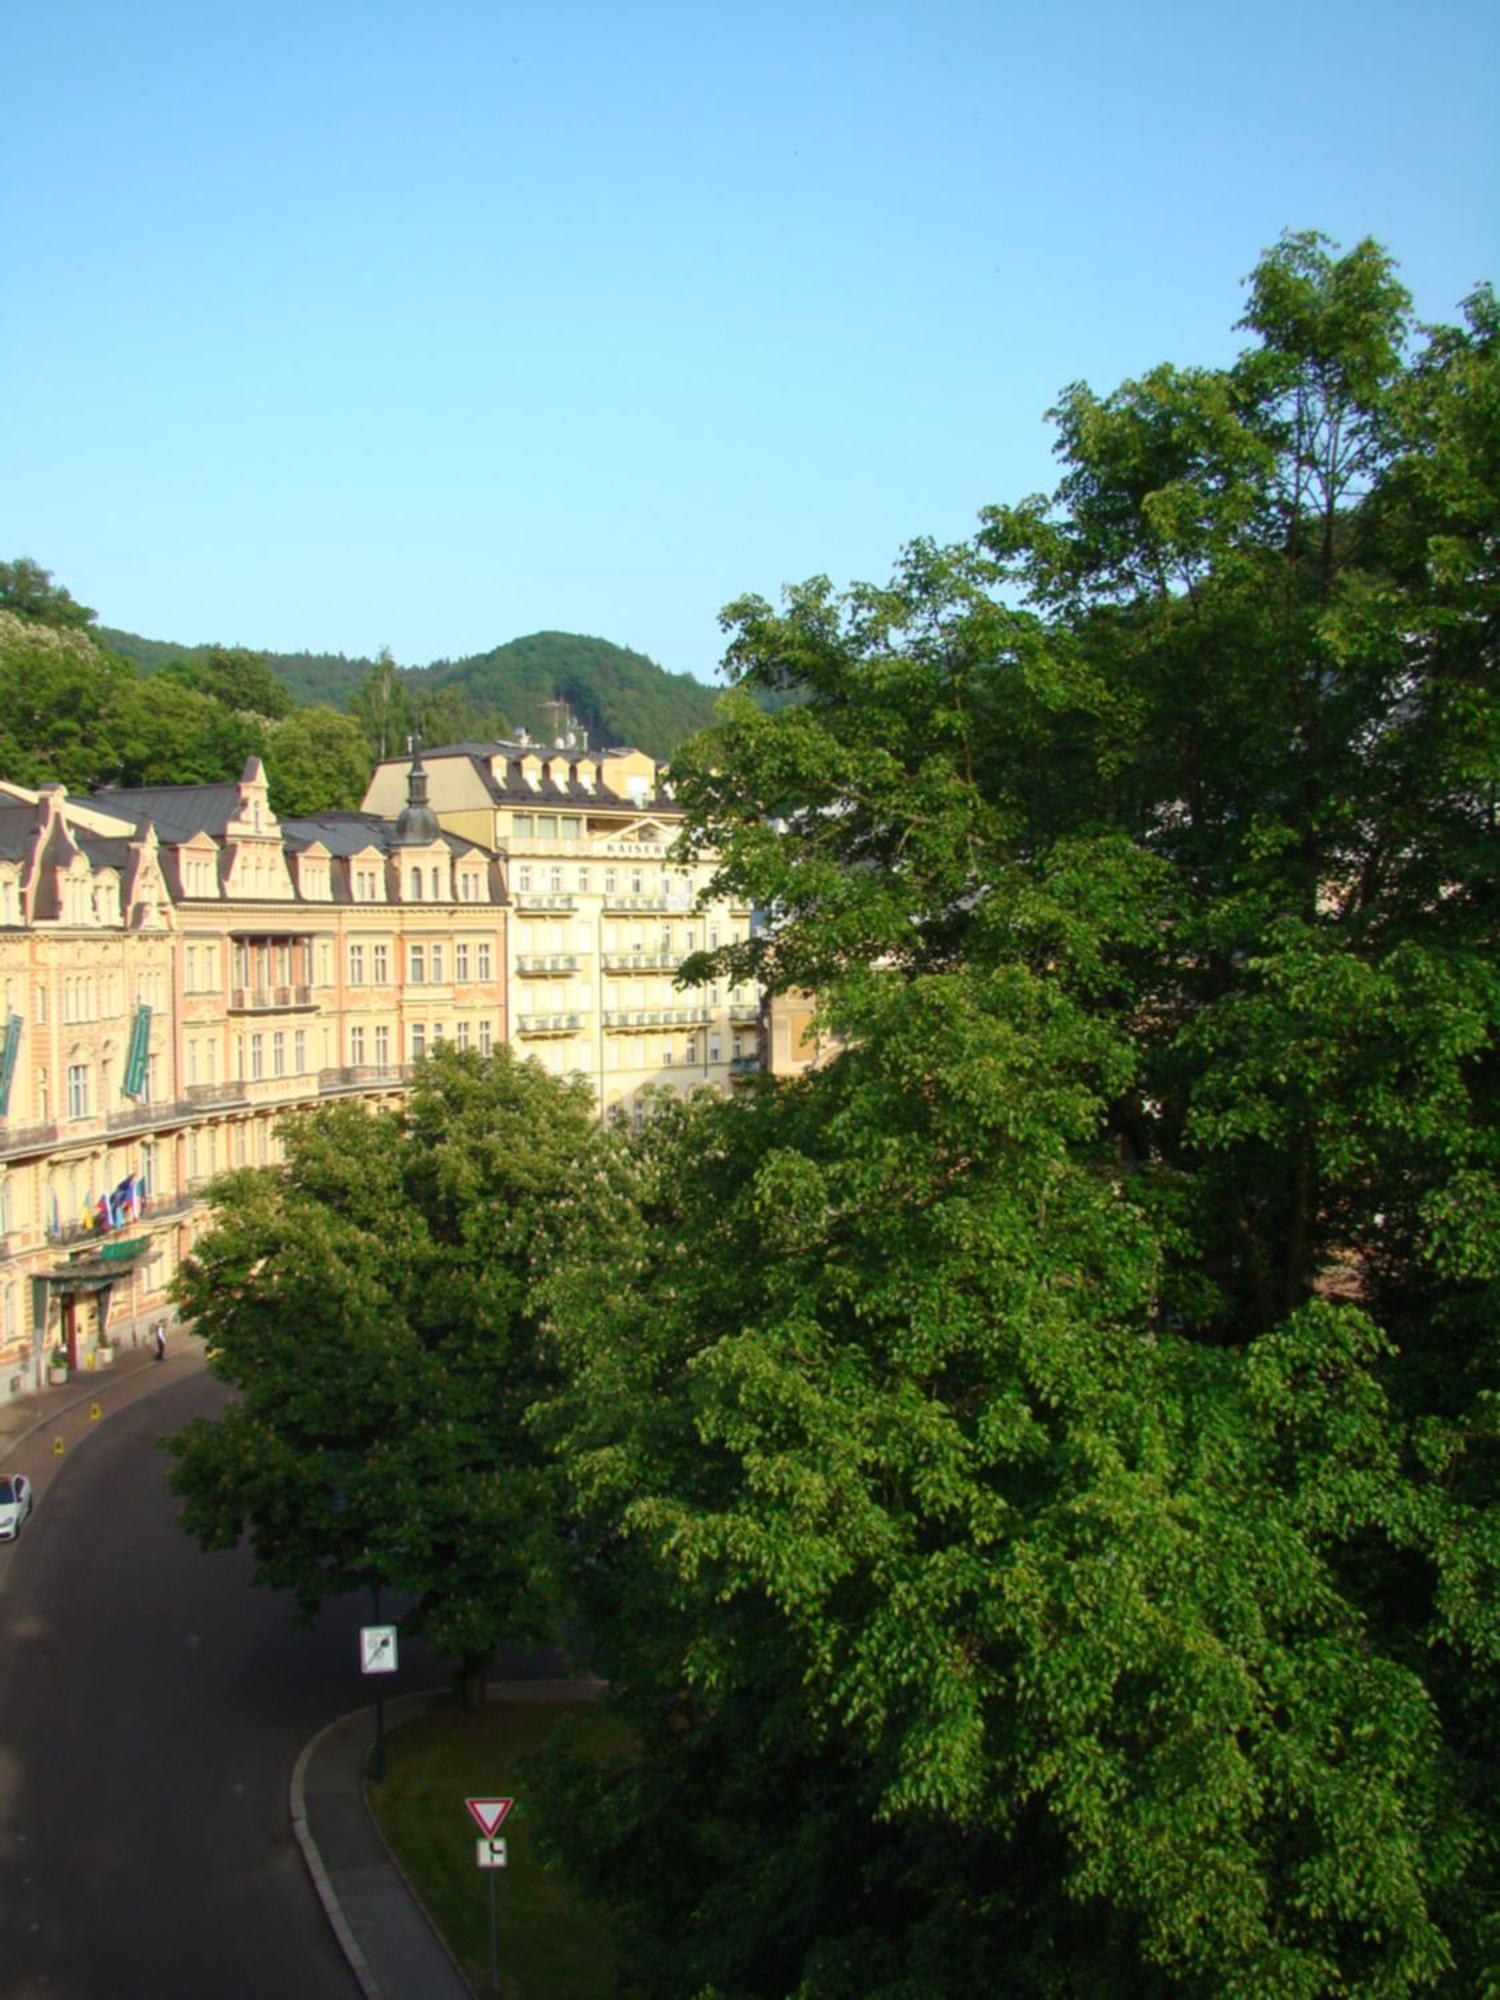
(489, 1812)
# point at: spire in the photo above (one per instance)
(418, 824)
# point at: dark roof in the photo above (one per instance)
(348, 833)
(178, 811)
(517, 793)
(18, 825)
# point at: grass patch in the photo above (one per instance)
(554, 1944)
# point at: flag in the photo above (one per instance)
(122, 1202)
(105, 1220)
(89, 1217)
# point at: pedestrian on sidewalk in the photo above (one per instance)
(159, 1335)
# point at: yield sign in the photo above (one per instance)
(489, 1812)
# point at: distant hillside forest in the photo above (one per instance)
(617, 695)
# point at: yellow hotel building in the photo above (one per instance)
(601, 916)
(178, 969)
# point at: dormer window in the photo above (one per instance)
(416, 885)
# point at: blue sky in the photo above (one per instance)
(347, 325)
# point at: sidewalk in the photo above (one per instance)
(392, 1949)
(23, 1417)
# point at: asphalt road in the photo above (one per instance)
(152, 1704)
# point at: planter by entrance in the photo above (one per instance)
(104, 1356)
(57, 1373)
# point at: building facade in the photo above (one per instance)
(601, 915)
(178, 969)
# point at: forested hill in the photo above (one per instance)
(618, 695)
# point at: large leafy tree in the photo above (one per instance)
(1041, 1491)
(317, 761)
(372, 1301)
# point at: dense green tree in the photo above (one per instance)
(242, 680)
(371, 1300)
(28, 590)
(62, 705)
(168, 734)
(1037, 1476)
(317, 761)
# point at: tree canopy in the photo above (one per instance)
(371, 1299)
(1037, 1474)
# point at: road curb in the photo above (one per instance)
(332, 1908)
(403, 1708)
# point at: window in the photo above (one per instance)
(416, 964)
(437, 885)
(357, 1046)
(356, 965)
(460, 962)
(635, 881)
(467, 885)
(416, 885)
(383, 1048)
(461, 1035)
(523, 879)
(521, 825)
(557, 875)
(437, 965)
(571, 828)
(546, 826)
(78, 1090)
(713, 1052)
(380, 972)
(484, 961)
(484, 1038)
(418, 1041)
(611, 880)
(299, 1052)
(257, 1056)
(583, 881)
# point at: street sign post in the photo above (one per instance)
(377, 1655)
(489, 1815)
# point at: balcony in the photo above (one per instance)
(633, 1018)
(744, 1010)
(270, 999)
(532, 963)
(612, 902)
(16, 1139)
(744, 1065)
(642, 961)
(548, 1024)
(364, 1076)
(142, 1116)
(214, 1096)
(544, 899)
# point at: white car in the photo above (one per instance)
(15, 1503)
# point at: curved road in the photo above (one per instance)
(152, 1704)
